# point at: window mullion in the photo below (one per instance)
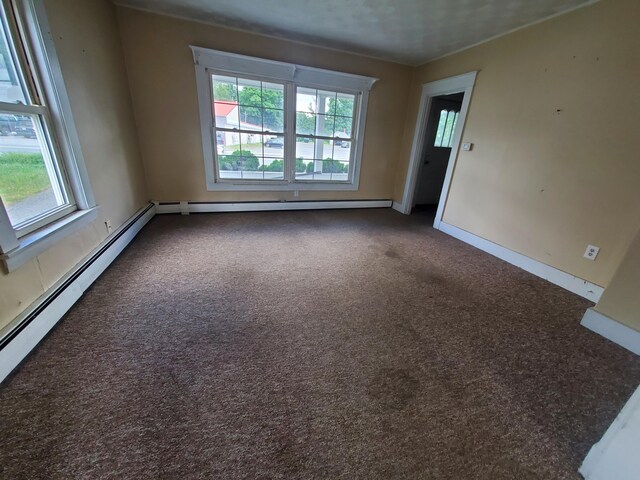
(289, 132)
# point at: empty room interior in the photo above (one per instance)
(284, 239)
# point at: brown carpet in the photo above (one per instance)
(331, 344)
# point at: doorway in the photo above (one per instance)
(437, 143)
(439, 125)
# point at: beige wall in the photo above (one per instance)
(163, 87)
(621, 300)
(90, 54)
(554, 120)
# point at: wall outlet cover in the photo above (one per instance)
(591, 252)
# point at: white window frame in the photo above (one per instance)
(208, 62)
(18, 246)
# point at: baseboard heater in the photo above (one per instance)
(30, 327)
(186, 208)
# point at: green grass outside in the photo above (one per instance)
(244, 145)
(21, 175)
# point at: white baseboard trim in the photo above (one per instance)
(581, 287)
(615, 331)
(213, 207)
(26, 331)
(615, 456)
(398, 207)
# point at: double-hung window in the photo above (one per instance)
(38, 188)
(277, 126)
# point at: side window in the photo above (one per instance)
(33, 181)
(44, 185)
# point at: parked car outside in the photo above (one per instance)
(8, 124)
(24, 128)
(276, 142)
(219, 143)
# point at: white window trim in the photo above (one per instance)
(207, 60)
(16, 251)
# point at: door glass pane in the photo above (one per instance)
(448, 129)
(440, 130)
(30, 184)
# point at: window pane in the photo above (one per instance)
(273, 95)
(455, 122)
(306, 100)
(252, 157)
(338, 171)
(326, 102)
(30, 185)
(273, 145)
(240, 164)
(249, 92)
(225, 89)
(313, 149)
(440, 131)
(321, 160)
(342, 150)
(250, 118)
(305, 123)
(325, 125)
(345, 104)
(305, 153)
(227, 114)
(343, 127)
(273, 120)
(253, 107)
(10, 87)
(324, 113)
(448, 129)
(272, 168)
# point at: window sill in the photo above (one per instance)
(282, 187)
(37, 242)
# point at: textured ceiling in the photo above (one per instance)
(404, 31)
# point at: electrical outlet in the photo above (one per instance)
(109, 227)
(591, 252)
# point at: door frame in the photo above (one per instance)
(459, 84)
